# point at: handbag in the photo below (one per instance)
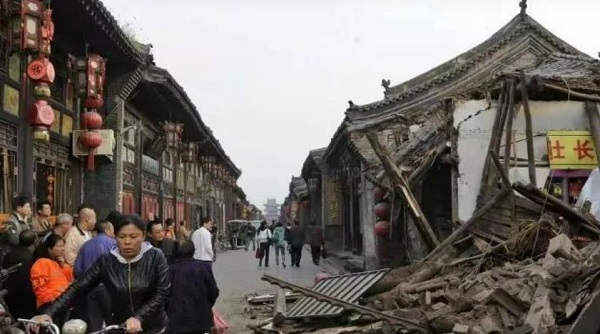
(220, 326)
(257, 255)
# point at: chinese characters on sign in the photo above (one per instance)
(571, 150)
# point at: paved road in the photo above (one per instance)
(237, 274)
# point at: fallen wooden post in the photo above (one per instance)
(528, 130)
(591, 109)
(573, 215)
(464, 227)
(279, 308)
(510, 116)
(399, 181)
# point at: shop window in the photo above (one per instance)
(8, 186)
(566, 185)
(56, 124)
(67, 125)
(53, 184)
(14, 67)
(11, 100)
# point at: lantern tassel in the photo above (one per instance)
(90, 161)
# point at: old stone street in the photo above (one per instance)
(237, 274)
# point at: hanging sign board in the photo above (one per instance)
(571, 150)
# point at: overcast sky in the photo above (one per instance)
(272, 77)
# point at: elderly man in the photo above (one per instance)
(80, 233)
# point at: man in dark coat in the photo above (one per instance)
(297, 238)
(194, 292)
(20, 298)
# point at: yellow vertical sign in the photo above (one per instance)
(571, 150)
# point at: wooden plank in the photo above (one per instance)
(496, 128)
(467, 225)
(510, 116)
(528, 130)
(279, 308)
(399, 182)
(587, 322)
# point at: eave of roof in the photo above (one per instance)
(163, 77)
(314, 158)
(522, 33)
(136, 51)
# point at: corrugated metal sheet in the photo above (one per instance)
(348, 287)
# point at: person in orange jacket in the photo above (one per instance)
(50, 274)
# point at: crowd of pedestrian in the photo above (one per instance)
(147, 275)
(293, 238)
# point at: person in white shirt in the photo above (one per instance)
(263, 236)
(202, 239)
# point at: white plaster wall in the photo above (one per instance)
(474, 136)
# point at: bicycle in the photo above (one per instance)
(27, 322)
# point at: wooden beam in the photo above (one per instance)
(496, 132)
(572, 93)
(399, 182)
(505, 180)
(591, 109)
(464, 227)
(279, 307)
(510, 116)
(528, 130)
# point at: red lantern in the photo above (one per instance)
(42, 70)
(382, 210)
(26, 22)
(41, 117)
(378, 194)
(382, 228)
(47, 32)
(91, 120)
(90, 140)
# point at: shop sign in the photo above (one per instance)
(571, 150)
(150, 165)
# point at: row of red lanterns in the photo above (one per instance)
(32, 33)
(90, 76)
(382, 211)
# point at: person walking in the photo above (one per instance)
(183, 233)
(263, 237)
(96, 308)
(316, 242)
(194, 292)
(279, 243)
(202, 239)
(250, 236)
(297, 239)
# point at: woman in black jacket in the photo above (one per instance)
(135, 275)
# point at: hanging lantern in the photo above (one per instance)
(378, 194)
(382, 210)
(47, 32)
(173, 132)
(90, 140)
(189, 152)
(91, 120)
(26, 25)
(382, 228)
(96, 76)
(41, 117)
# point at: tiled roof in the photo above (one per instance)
(314, 158)
(521, 38)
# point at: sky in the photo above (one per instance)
(272, 78)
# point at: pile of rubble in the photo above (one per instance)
(546, 295)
